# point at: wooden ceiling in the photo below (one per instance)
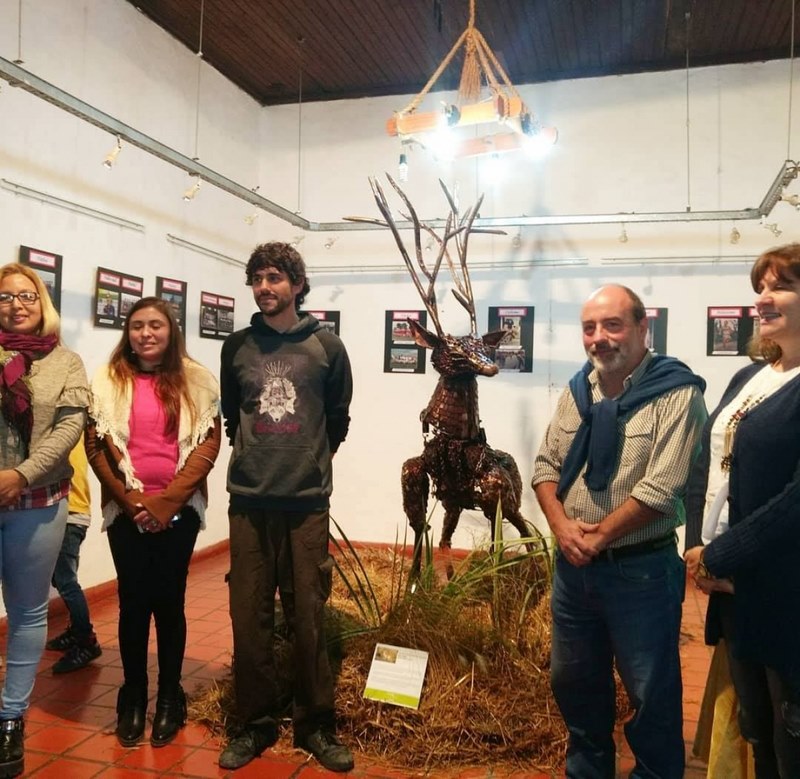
(359, 48)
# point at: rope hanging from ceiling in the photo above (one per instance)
(479, 61)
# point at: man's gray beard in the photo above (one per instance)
(607, 365)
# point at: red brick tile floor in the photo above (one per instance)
(69, 728)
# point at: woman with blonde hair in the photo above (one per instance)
(746, 490)
(153, 437)
(43, 401)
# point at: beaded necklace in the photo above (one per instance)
(750, 402)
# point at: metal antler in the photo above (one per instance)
(428, 295)
(463, 291)
(456, 228)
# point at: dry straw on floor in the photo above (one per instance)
(486, 698)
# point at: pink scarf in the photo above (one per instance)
(15, 394)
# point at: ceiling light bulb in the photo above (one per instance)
(250, 218)
(402, 168)
(516, 241)
(111, 157)
(192, 191)
(297, 240)
(494, 168)
(735, 235)
(329, 243)
(452, 115)
(441, 143)
(623, 236)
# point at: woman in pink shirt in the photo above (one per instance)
(153, 437)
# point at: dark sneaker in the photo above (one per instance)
(77, 657)
(329, 751)
(62, 642)
(12, 747)
(247, 745)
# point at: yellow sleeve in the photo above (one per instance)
(80, 499)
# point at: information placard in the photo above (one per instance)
(396, 675)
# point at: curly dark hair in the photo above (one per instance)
(282, 256)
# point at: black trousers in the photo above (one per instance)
(285, 551)
(151, 582)
(762, 694)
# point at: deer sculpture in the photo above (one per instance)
(466, 472)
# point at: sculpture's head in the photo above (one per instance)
(465, 355)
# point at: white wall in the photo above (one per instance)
(622, 147)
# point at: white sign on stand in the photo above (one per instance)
(396, 675)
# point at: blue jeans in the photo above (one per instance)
(628, 613)
(65, 580)
(30, 540)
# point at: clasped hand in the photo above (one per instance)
(147, 522)
(706, 584)
(579, 542)
(11, 485)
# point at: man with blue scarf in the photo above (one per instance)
(610, 478)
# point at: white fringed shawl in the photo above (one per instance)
(111, 412)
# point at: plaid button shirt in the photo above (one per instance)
(41, 497)
(658, 442)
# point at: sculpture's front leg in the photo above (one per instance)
(415, 485)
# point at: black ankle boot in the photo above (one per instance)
(12, 748)
(131, 714)
(170, 715)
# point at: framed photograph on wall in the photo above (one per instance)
(657, 329)
(173, 291)
(115, 294)
(328, 319)
(752, 313)
(48, 266)
(400, 352)
(729, 330)
(216, 315)
(515, 353)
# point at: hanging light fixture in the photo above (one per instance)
(190, 193)
(251, 218)
(504, 109)
(402, 168)
(301, 60)
(792, 200)
(111, 157)
(19, 60)
(735, 235)
(773, 227)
